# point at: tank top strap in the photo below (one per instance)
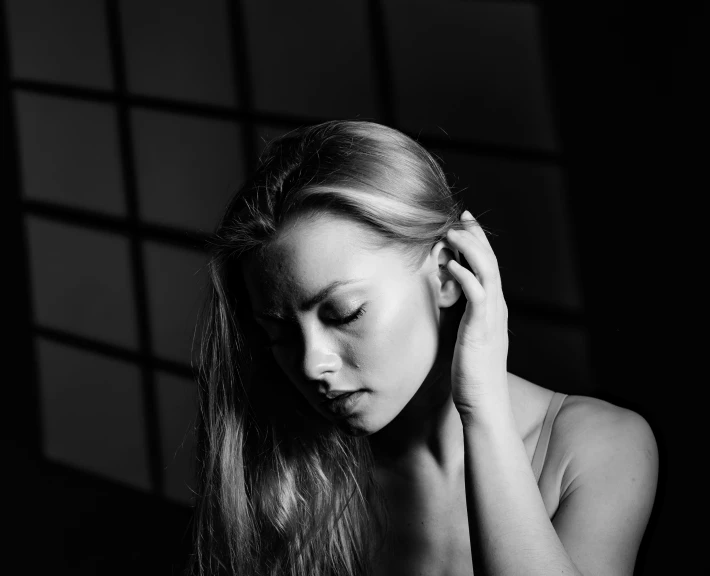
(538, 459)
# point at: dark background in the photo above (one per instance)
(574, 132)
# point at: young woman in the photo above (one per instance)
(357, 415)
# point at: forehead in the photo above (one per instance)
(310, 253)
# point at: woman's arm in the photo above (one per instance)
(611, 457)
(610, 484)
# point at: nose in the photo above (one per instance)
(320, 357)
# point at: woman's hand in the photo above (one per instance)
(479, 374)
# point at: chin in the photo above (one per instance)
(361, 426)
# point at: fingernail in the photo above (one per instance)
(468, 215)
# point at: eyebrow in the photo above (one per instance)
(310, 303)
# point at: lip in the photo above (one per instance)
(335, 394)
(343, 404)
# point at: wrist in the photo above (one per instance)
(490, 416)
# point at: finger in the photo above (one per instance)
(472, 289)
(473, 226)
(480, 259)
(477, 231)
(474, 254)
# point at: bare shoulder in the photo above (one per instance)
(590, 435)
(585, 420)
(603, 477)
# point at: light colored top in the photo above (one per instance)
(538, 459)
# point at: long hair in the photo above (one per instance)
(281, 490)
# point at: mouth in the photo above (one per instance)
(336, 394)
(343, 404)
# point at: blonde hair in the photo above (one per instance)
(281, 490)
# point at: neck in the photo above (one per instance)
(426, 434)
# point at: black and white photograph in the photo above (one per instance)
(354, 287)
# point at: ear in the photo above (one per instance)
(449, 290)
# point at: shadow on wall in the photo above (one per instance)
(134, 123)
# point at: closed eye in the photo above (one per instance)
(348, 319)
(337, 321)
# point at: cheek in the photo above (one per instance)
(403, 345)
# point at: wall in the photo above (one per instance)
(134, 121)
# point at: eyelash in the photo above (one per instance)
(339, 321)
(348, 319)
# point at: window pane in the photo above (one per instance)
(474, 69)
(188, 168)
(65, 42)
(314, 62)
(81, 282)
(92, 413)
(175, 278)
(178, 49)
(70, 153)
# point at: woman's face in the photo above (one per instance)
(374, 328)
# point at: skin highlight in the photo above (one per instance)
(398, 350)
